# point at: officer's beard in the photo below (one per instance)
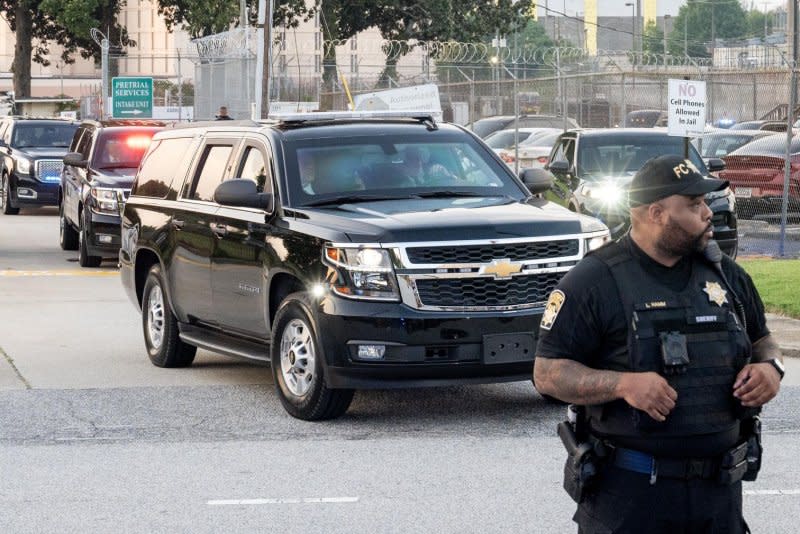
(675, 241)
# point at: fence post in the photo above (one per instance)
(787, 164)
(755, 98)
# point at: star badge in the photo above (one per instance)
(716, 294)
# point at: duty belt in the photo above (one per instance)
(727, 469)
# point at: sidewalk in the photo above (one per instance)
(787, 332)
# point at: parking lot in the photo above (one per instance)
(94, 438)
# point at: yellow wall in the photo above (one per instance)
(648, 12)
(590, 25)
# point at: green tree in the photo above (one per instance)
(695, 18)
(653, 39)
(759, 24)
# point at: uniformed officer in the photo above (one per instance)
(666, 349)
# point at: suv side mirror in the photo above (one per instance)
(559, 167)
(715, 165)
(536, 180)
(75, 159)
(243, 193)
(3, 143)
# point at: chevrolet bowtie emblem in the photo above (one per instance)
(502, 268)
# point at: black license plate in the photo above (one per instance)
(508, 348)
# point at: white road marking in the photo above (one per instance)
(773, 492)
(12, 273)
(306, 500)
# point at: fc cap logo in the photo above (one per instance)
(684, 168)
(552, 308)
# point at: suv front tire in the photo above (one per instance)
(84, 258)
(5, 196)
(67, 236)
(297, 365)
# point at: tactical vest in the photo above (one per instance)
(702, 316)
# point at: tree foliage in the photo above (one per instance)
(695, 17)
(653, 39)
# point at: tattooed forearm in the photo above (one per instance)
(573, 382)
(765, 349)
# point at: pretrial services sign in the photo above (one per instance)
(687, 108)
(132, 98)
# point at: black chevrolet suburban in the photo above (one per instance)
(349, 251)
(30, 161)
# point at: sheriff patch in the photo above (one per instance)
(715, 293)
(552, 308)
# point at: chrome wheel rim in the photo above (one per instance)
(154, 318)
(298, 357)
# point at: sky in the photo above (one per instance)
(610, 8)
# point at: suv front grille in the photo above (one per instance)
(486, 253)
(529, 290)
(49, 170)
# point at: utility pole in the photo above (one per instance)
(263, 76)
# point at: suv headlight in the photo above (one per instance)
(597, 241)
(607, 192)
(106, 200)
(23, 166)
(362, 273)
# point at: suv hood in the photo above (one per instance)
(114, 177)
(447, 219)
(44, 152)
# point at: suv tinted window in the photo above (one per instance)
(603, 154)
(255, 168)
(85, 143)
(160, 166)
(210, 171)
(33, 134)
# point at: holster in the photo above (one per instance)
(582, 464)
(751, 431)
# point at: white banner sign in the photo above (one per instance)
(687, 108)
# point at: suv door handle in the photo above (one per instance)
(219, 229)
(177, 223)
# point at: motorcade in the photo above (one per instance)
(348, 250)
(483, 127)
(593, 169)
(756, 172)
(95, 181)
(30, 161)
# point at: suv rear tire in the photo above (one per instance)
(160, 326)
(5, 196)
(84, 259)
(67, 236)
(298, 367)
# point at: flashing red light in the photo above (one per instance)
(138, 141)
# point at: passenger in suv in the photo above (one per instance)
(96, 180)
(305, 243)
(30, 161)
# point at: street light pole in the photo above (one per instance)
(633, 28)
(666, 17)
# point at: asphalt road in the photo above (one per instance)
(93, 438)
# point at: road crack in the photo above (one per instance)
(10, 361)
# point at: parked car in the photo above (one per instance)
(593, 169)
(720, 143)
(646, 118)
(96, 180)
(534, 153)
(756, 172)
(483, 127)
(504, 139)
(30, 161)
(309, 244)
(772, 126)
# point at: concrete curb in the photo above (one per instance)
(786, 332)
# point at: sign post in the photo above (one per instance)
(132, 98)
(687, 109)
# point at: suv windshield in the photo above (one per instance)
(122, 149)
(33, 134)
(367, 168)
(604, 155)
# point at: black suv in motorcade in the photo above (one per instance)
(348, 252)
(30, 161)
(96, 180)
(593, 169)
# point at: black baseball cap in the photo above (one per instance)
(664, 176)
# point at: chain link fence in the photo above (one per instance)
(477, 80)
